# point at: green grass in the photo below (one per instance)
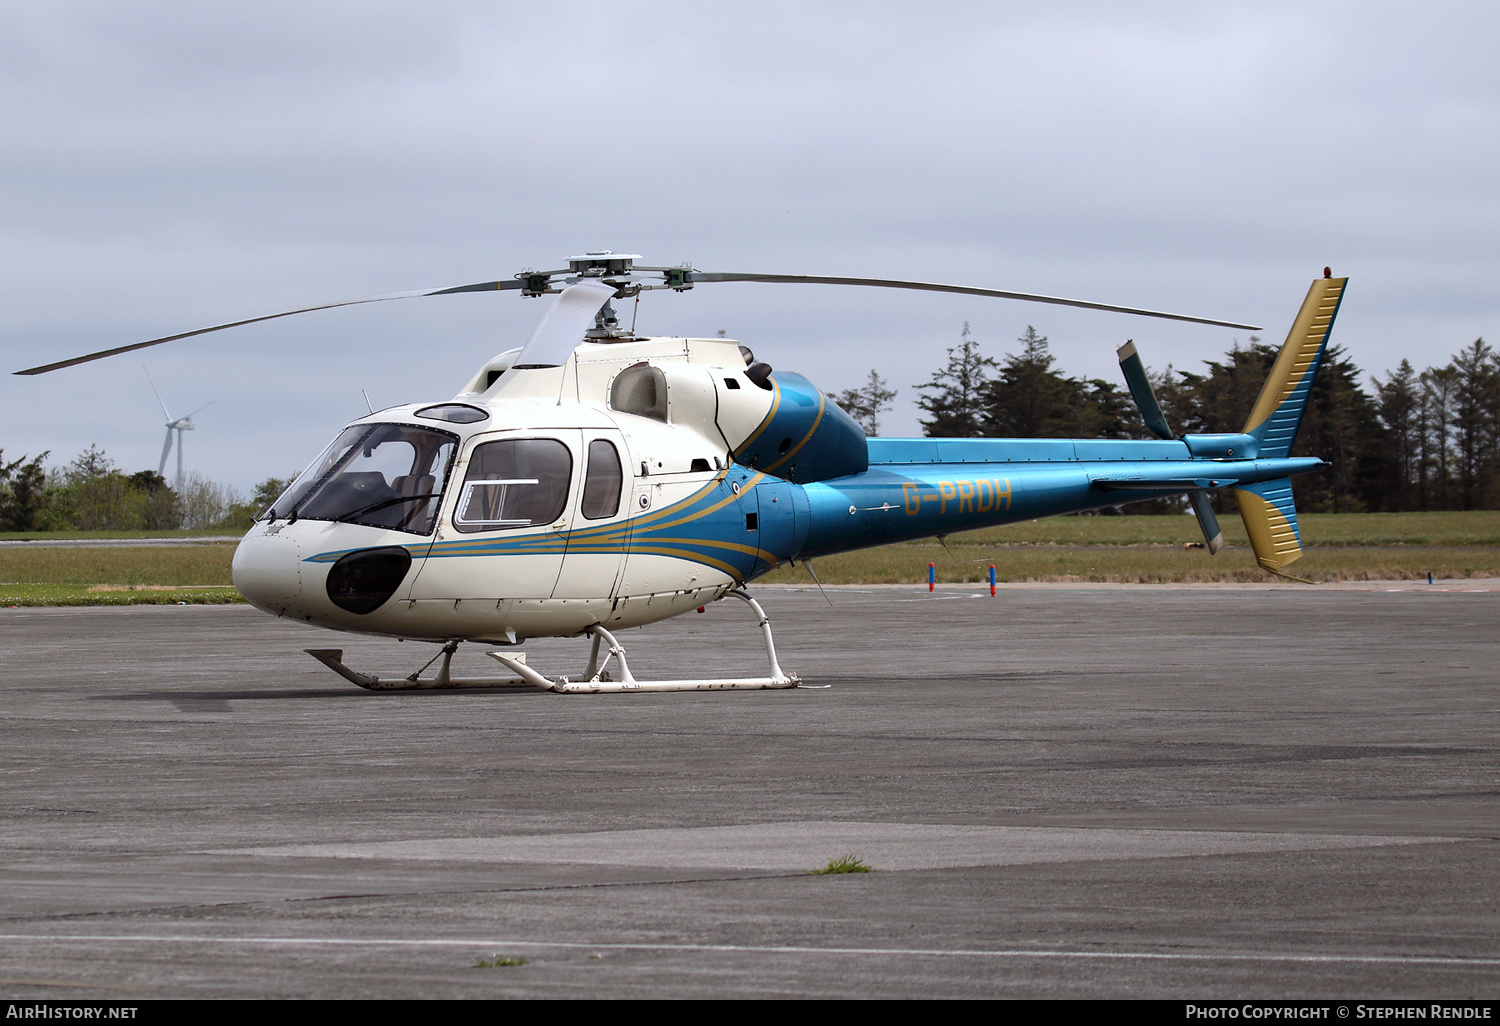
(174, 565)
(498, 962)
(1132, 549)
(145, 575)
(959, 563)
(842, 864)
(73, 595)
(1478, 527)
(207, 532)
(1151, 550)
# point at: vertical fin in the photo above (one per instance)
(1271, 521)
(1278, 412)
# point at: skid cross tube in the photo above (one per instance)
(596, 679)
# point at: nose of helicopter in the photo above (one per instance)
(267, 569)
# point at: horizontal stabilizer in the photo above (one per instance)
(1146, 483)
(1271, 521)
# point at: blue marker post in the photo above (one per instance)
(992, 580)
(931, 576)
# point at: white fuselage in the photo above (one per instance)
(501, 580)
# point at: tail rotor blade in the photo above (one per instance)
(1142, 392)
(1204, 511)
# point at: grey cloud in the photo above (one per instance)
(169, 164)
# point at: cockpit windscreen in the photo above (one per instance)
(379, 475)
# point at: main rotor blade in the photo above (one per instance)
(562, 326)
(59, 365)
(967, 290)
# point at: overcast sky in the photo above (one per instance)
(170, 165)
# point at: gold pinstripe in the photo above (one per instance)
(749, 484)
(766, 421)
(731, 546)
(696, 557)
(1300, 349)
(822, 405)
(619, 532)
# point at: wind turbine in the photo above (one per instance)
(179, 425)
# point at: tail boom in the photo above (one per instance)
(894, 502)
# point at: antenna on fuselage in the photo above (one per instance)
(808, 563)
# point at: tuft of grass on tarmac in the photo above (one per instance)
(842, 864)
(499, 962)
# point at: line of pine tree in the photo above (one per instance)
(1415, 441)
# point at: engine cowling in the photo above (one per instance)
(805, 436)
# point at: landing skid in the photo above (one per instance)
(333, 658)
(596, 677)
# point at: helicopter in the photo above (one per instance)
(592, 480)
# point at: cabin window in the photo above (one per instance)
(602, 482)
(640, 389)
(514, 483)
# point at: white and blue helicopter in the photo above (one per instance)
(592, 480)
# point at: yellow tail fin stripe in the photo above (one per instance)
(1271, 536)
(1301, 348)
